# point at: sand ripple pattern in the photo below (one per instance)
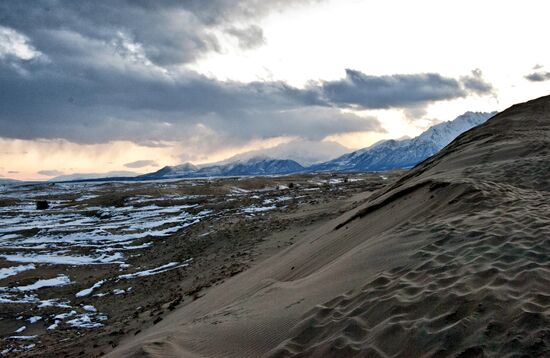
(481, 287)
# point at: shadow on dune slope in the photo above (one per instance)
(480, 284)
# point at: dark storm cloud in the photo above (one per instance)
(399, 91)
(141, 164)
(171, 32)
(476, 83)
(95, 104)
(103, 104)
(538, 76)
(112, 70)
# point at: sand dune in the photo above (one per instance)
(451, 260)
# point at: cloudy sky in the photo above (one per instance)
(135, 85)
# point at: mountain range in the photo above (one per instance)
(384, 155)
(254, 166)
(406, 153)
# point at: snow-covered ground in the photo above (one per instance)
(44, 254)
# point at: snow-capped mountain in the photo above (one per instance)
(169, 172)
(384, 155)
(394, 154)
(253, 166)
(304, 151)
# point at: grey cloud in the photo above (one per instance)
(476, 83)
(141, 164)
(153, 143)
(13, 172)
(538, 76)
(249, 37)
(50, 173)
(398, 91)
(395, 91)
(107, 71)
(305, 152)
(170, 32)
(89, 105)
(310, 122)
(190, 157)
(415, 112)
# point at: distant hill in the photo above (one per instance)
(84, 176)
(168, 172)
(4, 181)
(252, 166)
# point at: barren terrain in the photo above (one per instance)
(111, 259)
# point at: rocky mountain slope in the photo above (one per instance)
(393, 154)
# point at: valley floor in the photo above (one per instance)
(109, 260)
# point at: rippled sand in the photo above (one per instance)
(451, 260)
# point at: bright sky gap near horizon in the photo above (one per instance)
(132, 86)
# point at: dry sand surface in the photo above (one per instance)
(108, 260)
(451, 260)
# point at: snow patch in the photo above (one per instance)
(34, 319)
(64, 260)
(89, 308)
(87, 291)
(85, 321)
(60, 280)
(155, 271)
(22, 337)
(255, 209)
(12, 271)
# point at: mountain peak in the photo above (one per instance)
(185, 167)
(383, 155)
(405, 153)
(257, 158)
(444, 133)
